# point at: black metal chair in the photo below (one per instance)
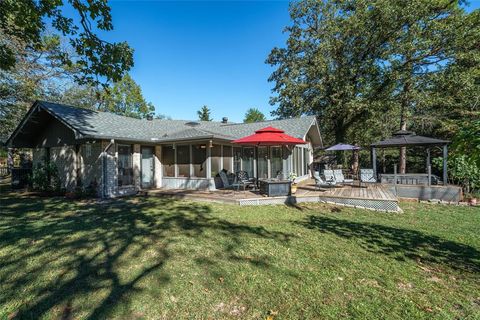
(244, 180)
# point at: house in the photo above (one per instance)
(121, 155)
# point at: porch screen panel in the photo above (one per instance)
(262, 162)
(168, 161)
(237, 158)
(276, 162)
(247, 160)
(299, 162)
(183, 160)
(306, 161)
(199, 159)
(294, 160)
(216, 156)
(125, 165)
(227, 158)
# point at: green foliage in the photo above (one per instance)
(26, 20)
(204, 114)
(254, 115)
(464, 159)
(162, 116)
(45, 177)
(366, 68)
(39, 73)
(126, 98)
(467, 140)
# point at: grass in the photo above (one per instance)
(153, 258)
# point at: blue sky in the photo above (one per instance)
(188, 54)
(191, 53)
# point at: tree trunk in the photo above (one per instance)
(403, 153)
(403, 123)
(340, 133)
(355, 161)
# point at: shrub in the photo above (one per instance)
(40, 177)
(464, 160)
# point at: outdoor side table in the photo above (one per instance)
(275, 188)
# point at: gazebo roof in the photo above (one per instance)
(404, 138)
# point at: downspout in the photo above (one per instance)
(104, 168)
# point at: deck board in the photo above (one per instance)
(306, 188)
(371, 196)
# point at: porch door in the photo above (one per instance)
(147, 167)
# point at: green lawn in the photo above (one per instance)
(152, 258)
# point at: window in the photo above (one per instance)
(276, 162)
(183, 160)
(262, 162)
(88, 150)
(216, 159)
(168, 161)
(237, 158)
(199, 159)
(125, 165)
(227, 158)
(247, 161)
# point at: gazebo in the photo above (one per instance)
(404, 138)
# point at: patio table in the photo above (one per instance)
(275, 187)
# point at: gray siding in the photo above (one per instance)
(55, 134)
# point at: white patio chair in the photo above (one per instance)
(329, 176)
(321, 183)
(340, 178)
(366, 176)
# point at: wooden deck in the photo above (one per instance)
(372, 196)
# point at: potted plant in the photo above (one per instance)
(292, 177)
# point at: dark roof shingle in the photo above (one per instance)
(104, 125)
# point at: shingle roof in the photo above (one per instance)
(104, 125)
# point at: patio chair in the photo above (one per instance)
(340, 178)
(329, 176)
(244, 180)
(226, 183)
(366, 176)
(320, 183)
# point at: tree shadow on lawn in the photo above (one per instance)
(100, 250)
(401, 244)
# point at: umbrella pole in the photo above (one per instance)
(256, 167)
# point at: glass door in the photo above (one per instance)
(147, 167)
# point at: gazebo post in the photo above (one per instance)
(374, 162)
(445, 156)
(429, 168)
(428, 158)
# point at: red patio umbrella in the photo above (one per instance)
(268, 136)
